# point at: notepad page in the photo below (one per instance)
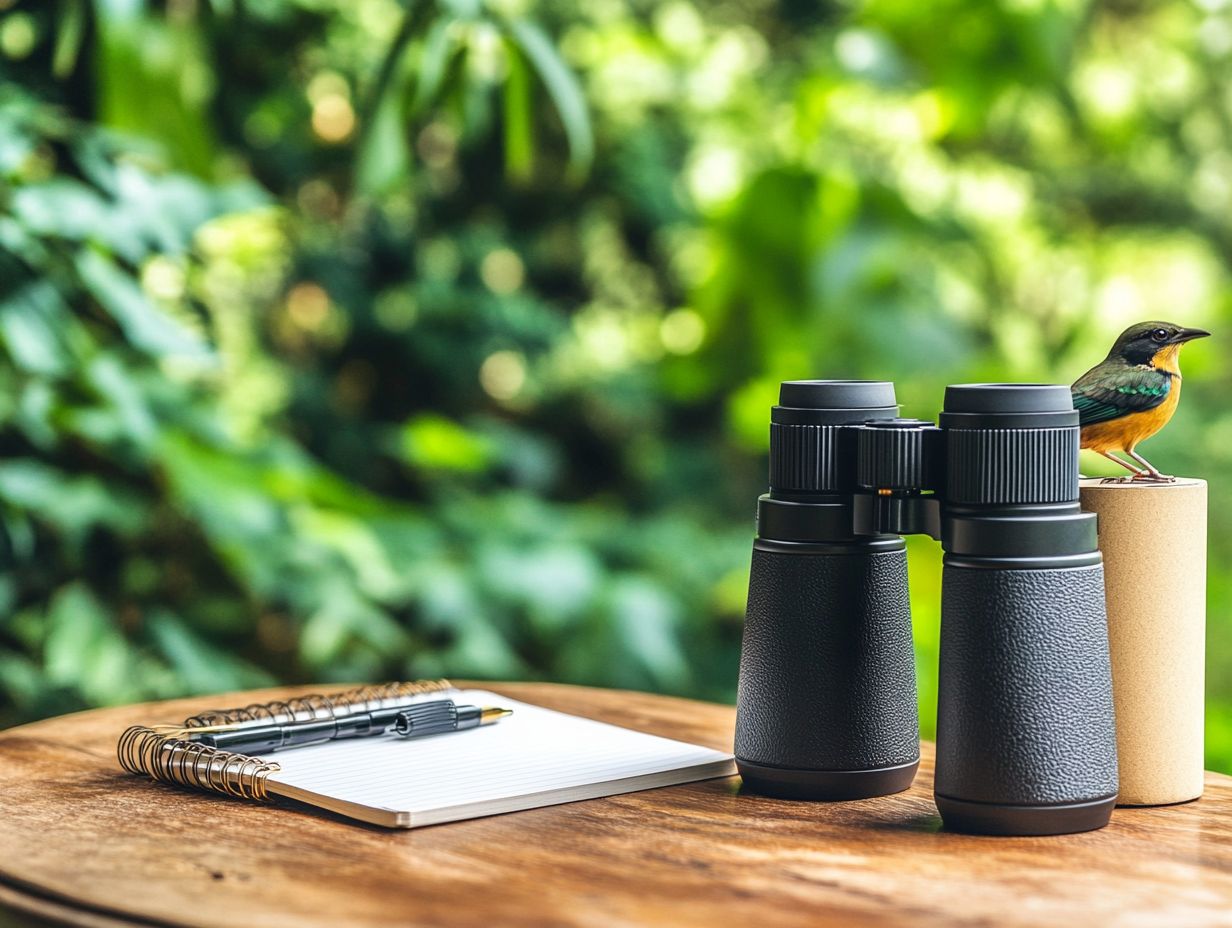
(534, 757)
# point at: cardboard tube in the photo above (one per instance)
(1153, 538)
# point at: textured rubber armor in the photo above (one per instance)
(1024, 714)
(827, 673)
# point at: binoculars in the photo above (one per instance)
(826, 703)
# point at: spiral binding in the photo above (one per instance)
(317, 705)
(191, 763)
(172, 759)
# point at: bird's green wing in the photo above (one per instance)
(1101, 395)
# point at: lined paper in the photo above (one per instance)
(536, 757)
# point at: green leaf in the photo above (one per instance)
(344, 616)
(199, 666)
(21, 679)
(119, 10)
(463, 10)
(35, 414)
(222, 491)
(384, 157)
(154, 81)
(30, 324)
(162, 212)
(85, 651)
(355, 541)
(146, 326)
(61, 207)
(438, 48)
(436, 443)
(446, 597)
(15, 145)
(562, 87)
(69, 36)
(554, 583)
(483, 652)
(519, 117)
(125, 403)
(72, 505)
(18, 240)
(646, 619)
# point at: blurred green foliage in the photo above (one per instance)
(383, 339)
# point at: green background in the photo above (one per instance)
(376, 340)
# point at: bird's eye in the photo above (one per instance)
(1160, 335)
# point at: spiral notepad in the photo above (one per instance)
(537, 757)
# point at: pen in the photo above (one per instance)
(414, 721)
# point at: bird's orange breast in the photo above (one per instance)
(1124, 433)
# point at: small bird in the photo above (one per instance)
(1131, 394)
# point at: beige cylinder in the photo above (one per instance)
(1153, 538)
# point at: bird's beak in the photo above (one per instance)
(1188, 335)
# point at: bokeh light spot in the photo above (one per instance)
(437, 144)
(308, 305)
(327, 84)
(18, 35)
(714, 175)
(502, 374)
(502, 271)
(440, 259)
(680, 26)
(332, 118)
(856, 49)
(163, 279)
(682, 331)
(396, 310)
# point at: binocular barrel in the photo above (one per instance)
(826, 701)
(826, 704)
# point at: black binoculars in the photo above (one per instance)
(826, 704)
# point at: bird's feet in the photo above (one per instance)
(1141, 471)
(1152, 477)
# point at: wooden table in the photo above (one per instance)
(83, 843)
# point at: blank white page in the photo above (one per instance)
(535, 757)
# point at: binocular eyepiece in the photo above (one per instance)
(826, 704)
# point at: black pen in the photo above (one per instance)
(413, 721)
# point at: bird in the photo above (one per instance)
(1131, 394)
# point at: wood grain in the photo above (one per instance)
(83, 842)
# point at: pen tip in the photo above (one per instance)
(492, 714)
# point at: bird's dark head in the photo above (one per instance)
(1155, 343)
